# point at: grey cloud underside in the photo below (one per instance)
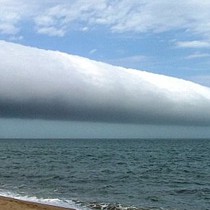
(41, 84)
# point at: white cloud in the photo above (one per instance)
(93, 51)
(198, 55)
(52, 23)
(45, 84)
(8, 23)
(52, 31)
(139, 16)
(193, 44)
(64, 16)
(84, 29)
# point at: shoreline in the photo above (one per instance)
(7, 203)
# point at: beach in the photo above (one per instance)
(15, 204)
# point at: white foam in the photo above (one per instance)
(49, 201)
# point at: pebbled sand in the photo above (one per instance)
(14, 204)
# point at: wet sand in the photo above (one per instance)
(14, 204)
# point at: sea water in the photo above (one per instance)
(165, 174)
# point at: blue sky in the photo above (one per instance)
(163, 37)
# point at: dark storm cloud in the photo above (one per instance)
(41, 84)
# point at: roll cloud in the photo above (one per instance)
(42, 84)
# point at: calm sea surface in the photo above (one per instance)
(108, 174)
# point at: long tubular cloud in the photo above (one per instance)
(44, 84)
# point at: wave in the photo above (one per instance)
(117, 206)
(49, 201)
(75, 204)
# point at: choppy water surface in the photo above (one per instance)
(109, 174)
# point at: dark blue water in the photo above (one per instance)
(146, 174)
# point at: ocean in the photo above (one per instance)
(112, 174)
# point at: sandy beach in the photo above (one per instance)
(14, 204)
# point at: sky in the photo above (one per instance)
(169, 38)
